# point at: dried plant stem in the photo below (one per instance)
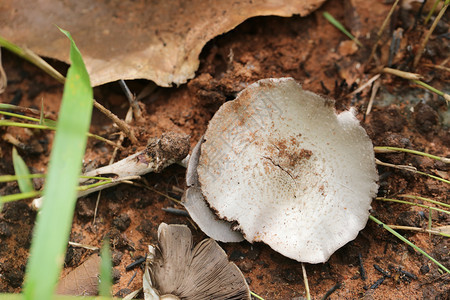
(25, 110)
(424, 199)
(132, 99)
(410, 169)
(122, 125)
(372, 53)
(375, 88)
(365, 85)
(439, 67)
(418, 229)
(402, 74)
(305, 280)
(388, 149)
(128, 119)
(428, 34)
(412, 204)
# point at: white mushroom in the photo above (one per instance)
(198, 209)
(286, 170)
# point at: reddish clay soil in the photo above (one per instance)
(318, 56)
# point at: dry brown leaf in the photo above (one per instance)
(83, 280)
(156, 40)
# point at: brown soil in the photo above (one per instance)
(320, 57)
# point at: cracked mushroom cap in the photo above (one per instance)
(181, 271)
(280, 163)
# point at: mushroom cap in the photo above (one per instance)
(198, 209)
(291, 173)
(198, 273)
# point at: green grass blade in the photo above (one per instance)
(33, 58)
(54, 222)
(20, 196)
(105, 285)
(21, 170)
(8, 178)
(408, 242)
(341, 27)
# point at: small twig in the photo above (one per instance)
(132, 99)
(305, 280)
(402, 74)
(400, 167)
(377, 283)
(421, 49)
(331, 291)
(375, 88)
(137, 262)
(439, 67)
(410, 169)
(96, 206)
(132, 278)
(386, 20)
(379, 269)
(121, 124)
(365, 85)
(128, 119)
(361, 267)
(176, 211)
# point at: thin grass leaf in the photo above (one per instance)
(388, 149)
(341, 27)
(435, 4)
(256, 296)
(50, 127)
(8, 178)
(105, 285)
(21, 170)
(412, 204)
(54, 222)
(424, 199)
(33, 58)
(408, 243)
(432, 89)
(19, 196)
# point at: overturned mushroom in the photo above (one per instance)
(280, 165)
(177, 270)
